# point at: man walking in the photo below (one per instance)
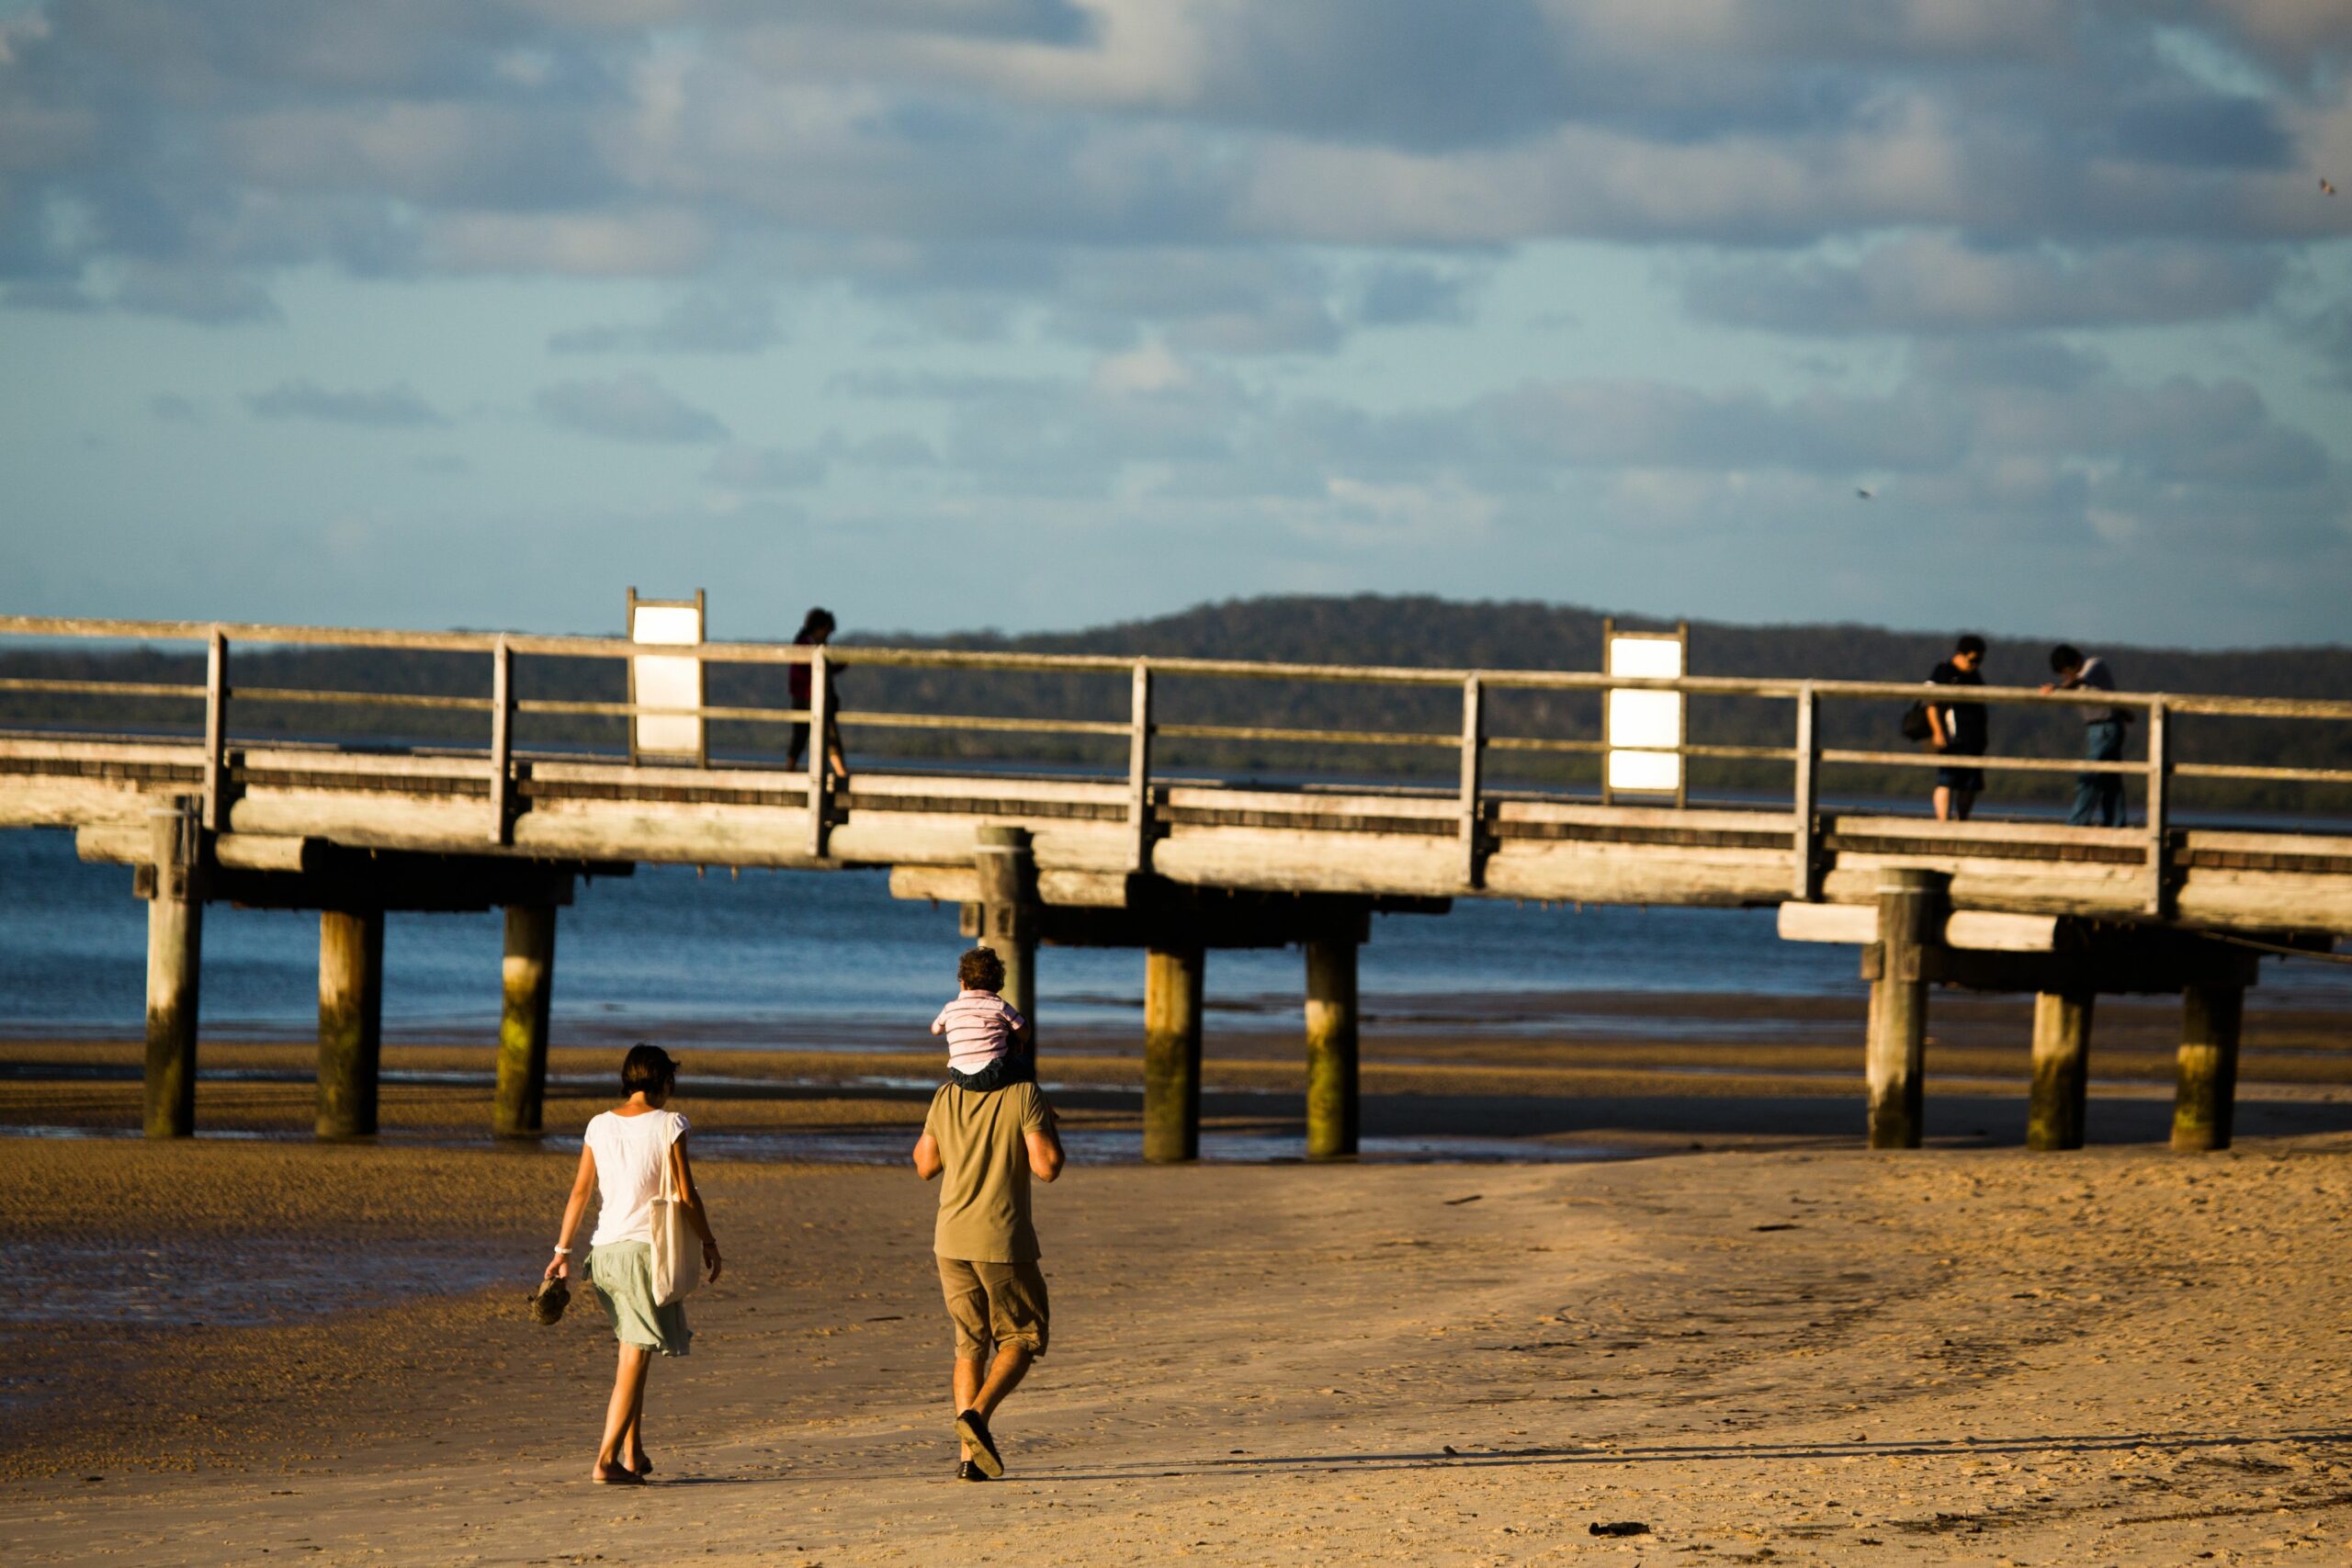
(988, 1144)
(2099, 797)
(1958, 729)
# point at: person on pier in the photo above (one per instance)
(2099, 797)
(815, 630)
(1958, 729)
(988, 1144)
(622, 1157)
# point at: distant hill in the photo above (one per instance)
(1363, 629)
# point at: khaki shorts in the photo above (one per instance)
(999, 1304)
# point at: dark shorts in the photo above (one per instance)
(1961, 778)
(994, 1304)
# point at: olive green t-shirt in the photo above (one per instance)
(984, 1190)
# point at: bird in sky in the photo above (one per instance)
(2326, 187)
(1864, 494)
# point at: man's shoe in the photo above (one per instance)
(973, 1428)
(967, 1471)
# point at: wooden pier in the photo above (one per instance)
(1176, 865)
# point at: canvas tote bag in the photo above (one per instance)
(677, 1251)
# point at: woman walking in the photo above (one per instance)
(625, 1153)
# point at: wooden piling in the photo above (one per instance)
(2061, 1040)
(174, 960)
(530, 974)
(1331, 1065)
(351, 1014)
(1171, 1055)
(1007, 861)
(2206, 1096)
(1911, 907)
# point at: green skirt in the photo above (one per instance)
(621, 1273)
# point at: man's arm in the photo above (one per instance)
(927, 1161)
(1044, 1151)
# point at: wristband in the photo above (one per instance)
(563, 1252)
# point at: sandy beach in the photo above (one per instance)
(1780, 1349)
(1789, 1357)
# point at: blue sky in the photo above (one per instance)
(1035, 313)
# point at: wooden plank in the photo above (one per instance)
(1275, 862)
(1997, 765)
(1980, 929)
(2265, 901)
(1766, 819)
(1439, 807)
(502, 745)
(216, 729)
(2278, 842)
(1615, 877)
(938, 884)
(188, 752)
(2159, 900)
(1473, 742)
(1139, 824)
(1805, 850)
(1963, 833)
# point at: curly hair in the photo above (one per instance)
(981, 970)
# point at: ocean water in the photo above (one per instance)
(830, 960)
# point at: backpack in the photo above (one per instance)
(1914, 722)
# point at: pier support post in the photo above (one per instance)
(2062, 1041)
(1911, 905)
(1008, 867)
(174, 958)
(351, 1015)
(1171, 1055)
(529, 973)
(2206, 1097)
(1331, 1071)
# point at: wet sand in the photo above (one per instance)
(1781, 1349)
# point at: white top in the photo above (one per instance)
(630, 1151)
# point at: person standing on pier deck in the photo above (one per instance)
(989, 1145)
(2099, 797)
(624, 1155)
(1958, 729)
(815, 630)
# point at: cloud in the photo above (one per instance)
(170, 408)
(222, 142)
(388, 407)
(767, 467)
(631, 408)
(704, 321)
(1935, 284)
(206, 295)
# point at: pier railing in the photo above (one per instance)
(214, 702)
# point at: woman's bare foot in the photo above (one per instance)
(606, 1475)
(643, 1464)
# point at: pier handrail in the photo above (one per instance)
(851, 655)
(1140, 728)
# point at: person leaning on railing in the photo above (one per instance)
(815, 630)
(2099, 797)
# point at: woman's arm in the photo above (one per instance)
(681, 1173)
(582, 1184)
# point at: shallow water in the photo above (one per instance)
(829, 961)
(217, 1283)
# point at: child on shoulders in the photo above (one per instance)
(988, 1039)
